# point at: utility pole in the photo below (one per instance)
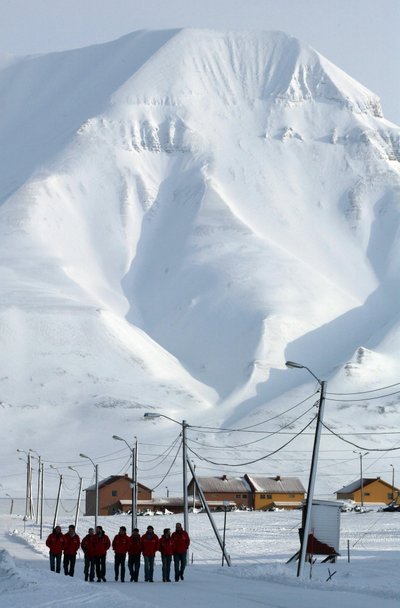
(41, 500)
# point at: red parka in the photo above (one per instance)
(103, 544)
(181, 541)
(55, 543)
(120, 543)
(89, 545)
(135, 545)
(150, 544)
(71, 544)
(166, 545)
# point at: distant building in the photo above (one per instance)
(111, 490)
(276, 492)
(216, 490)
(155, 505)
(374, 490)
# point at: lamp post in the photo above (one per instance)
(133, 450)
(166, 487)
(58, 495)
(184, 426)
(78, 502)
(28, 494)
(12, 503)
(361, 455)
(392, 481)
(38, 485)
(96, 472)
(314, 463)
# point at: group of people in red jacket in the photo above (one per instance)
(96, 544)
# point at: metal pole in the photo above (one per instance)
(31, 508)
(135, 498)
(133, 492)
(78, 503)
(209, 514)
(11, 504)
(38, 491)
(184, 478)
(392, 481)
(362, 481)
(41, 500)
(96, 468)
(194, 489)
(57, 502)
(223, 537)
(311, 482)
(27, 487)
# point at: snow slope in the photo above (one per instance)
(182, 211)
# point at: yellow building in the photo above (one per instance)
(374, 490)
(276, 492)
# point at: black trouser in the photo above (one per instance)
(148, 568)
(166, 567)
(100, 561)
(180, 564)
(69, 564)
(134, 566)
(89, 568)
(119, 562)
(55, 562)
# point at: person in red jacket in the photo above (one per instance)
(71, 545)
(134, 551)
(150, 543)
(120, 545)
(89, 549)
(167, 551)
(181, 541)
(103, 544)
(55, 543)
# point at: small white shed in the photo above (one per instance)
(325, 522)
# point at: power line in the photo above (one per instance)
(172, 464)
(271, 434)
(246, 428)
(372, 390)
(367, 449)
(363, 398)
(242, 464)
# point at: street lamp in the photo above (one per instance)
(184, 425)
(28, 494)
(133, 450)
(12, 503)
(392, 481)
(314, 462)
(58, 495)
(361, 455)
(38, 483)
(96, 472)
(78, 502)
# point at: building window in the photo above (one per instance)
(390, 495)
(244, 495)
(114, 493)
(367, 494)
(237, 496)
(269, 495)
(262, 495)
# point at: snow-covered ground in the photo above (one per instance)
(259, 545)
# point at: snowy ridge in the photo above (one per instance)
(182, 212)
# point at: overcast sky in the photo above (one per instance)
(360, 36)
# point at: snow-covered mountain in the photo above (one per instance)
(181, 212)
